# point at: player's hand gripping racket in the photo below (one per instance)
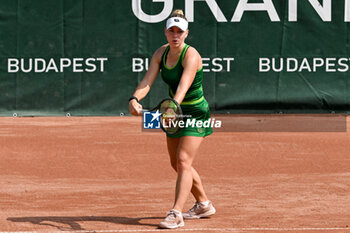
(171, 114)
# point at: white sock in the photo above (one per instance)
(204, 203)
(177, 212)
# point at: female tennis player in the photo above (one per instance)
(181, 68)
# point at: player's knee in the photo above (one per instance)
(183, 164)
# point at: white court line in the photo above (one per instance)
(194, 229)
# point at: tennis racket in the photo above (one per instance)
(170, 115)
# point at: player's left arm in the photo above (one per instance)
(191, 62)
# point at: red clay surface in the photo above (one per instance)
(102, 174)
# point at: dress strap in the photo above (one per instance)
(183, 53)
(164, 56)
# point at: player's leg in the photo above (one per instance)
(187, 150)
(182, 152)
(197, 187)
(174, 218)
(172, 144)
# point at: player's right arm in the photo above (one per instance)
(145, 85)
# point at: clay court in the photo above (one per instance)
(102, 174)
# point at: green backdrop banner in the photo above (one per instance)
(86, 57)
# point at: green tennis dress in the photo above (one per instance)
(194, 106)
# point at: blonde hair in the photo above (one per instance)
(178, 13)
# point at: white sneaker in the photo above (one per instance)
(200, 211)
(172, 220)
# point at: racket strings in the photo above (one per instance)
(171, 114)
(168, 107)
